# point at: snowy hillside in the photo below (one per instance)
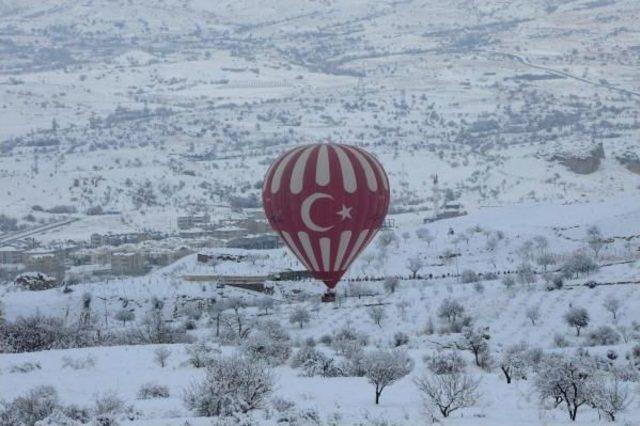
(134, 105)
(525, 310)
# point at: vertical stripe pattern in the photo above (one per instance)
(345, 238)
(325, 250)
(306, 245)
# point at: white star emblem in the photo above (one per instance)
(345, 212)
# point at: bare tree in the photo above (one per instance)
(578, 318)
(541, 243)
(356, 289)
(492, 244)
(238, 304)
(386, 238)
(508, 281)
(125, 315)
(160, 355)
(595, 240)
(377, 314)
(448, 392)
(265, 304)
(566, 380)
(300, 315)
(451, 310)
(367, 259)
(625, 332)
(514, 362)
(391, 284)
(533, 314)
(383, 368)
(215, 312)
(425, 235)
(545, 260)
(612, 305)
(611, 397)
(199, 354)
(414, 264)
(579, 263)
(476, 342)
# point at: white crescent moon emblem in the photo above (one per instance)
(305, 211)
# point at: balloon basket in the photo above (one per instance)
(328, 297)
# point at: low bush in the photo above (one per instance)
(446, 363)
(603, 335)
(78, 363)
(262, 346)
(232, 385)
(347, 340)
(400, 339)
(199, 355)
(36, 405)
(153, 390)
(315, 363)
(469, 276)
(25, 367)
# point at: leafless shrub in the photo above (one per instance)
(36, 405)
(233, 384)
(78, 363)
(383, 368)
(447, 393)
(153, 390)
(300, 316)
(160, 355)
(377, 314)
(449, 362)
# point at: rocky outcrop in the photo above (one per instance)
(583, 163)
(630, 161)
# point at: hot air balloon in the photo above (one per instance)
(327, 202)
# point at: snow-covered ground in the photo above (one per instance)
(349, 400)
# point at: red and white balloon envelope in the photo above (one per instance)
(327, 202)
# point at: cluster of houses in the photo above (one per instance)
(17, 258)
(252, 232)
(77, 262)
(98, 240)
(254, 223)
(136, 253)
(260, 282)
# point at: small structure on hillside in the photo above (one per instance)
(11, 255)
(290, 275)
(127, 263)
(188, 222)
(229, 232)
(448, 211)
(98, 240)
(247, 282)
(261, 242)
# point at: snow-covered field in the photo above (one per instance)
(122, 370)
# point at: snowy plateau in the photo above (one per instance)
(140, 283)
